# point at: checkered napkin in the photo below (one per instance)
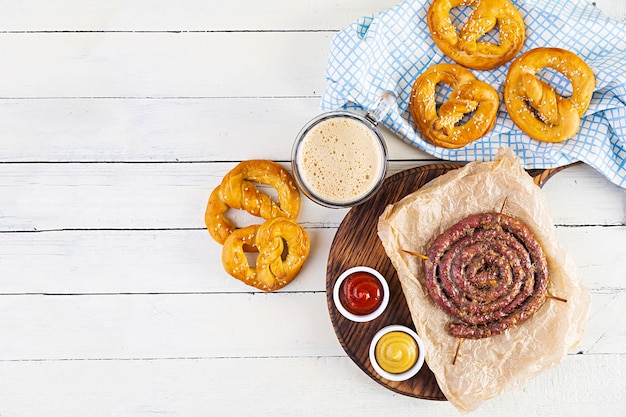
(389, 51)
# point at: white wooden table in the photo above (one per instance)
(117, 119)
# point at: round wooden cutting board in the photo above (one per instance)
(356, 243)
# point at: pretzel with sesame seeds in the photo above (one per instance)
(535, 107)
(465, 45)
(283, 245)
(443, 126)
(273, 270)
(237, 191)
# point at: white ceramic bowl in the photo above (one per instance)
(399, 376)
(366, 317)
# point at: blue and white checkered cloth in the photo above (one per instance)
(389, 51)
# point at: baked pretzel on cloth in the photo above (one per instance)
(535, 107)
(464, 46)
(469, 96)
(271, 271)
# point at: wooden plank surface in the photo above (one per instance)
(162, 64)
(188, 15)
(117, 120)
(187, 386)
(188, 261)
(162, 326)
(197, 15)
(196, 129)
(53, 196)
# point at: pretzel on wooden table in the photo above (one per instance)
(237, 191)
(273, 269)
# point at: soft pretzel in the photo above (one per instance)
(218, 225)
(238, 191)
(535, 107)
(273, 270)
(441, 126)
(465, 46)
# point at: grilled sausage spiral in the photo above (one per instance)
(489, 272)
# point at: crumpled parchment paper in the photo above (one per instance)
(486, 367)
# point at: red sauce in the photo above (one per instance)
(361, 293)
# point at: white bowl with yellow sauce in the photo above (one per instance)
(396, 353)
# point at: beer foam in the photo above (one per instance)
(340, 160)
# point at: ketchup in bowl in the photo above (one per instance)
(361, 293)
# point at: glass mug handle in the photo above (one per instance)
(383, 106)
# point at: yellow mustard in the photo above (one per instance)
(396, 352)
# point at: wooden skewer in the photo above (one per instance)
(554, 297)
(503, 204)
(456, 354)
(419, 255)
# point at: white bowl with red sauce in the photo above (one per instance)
(361, 294)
